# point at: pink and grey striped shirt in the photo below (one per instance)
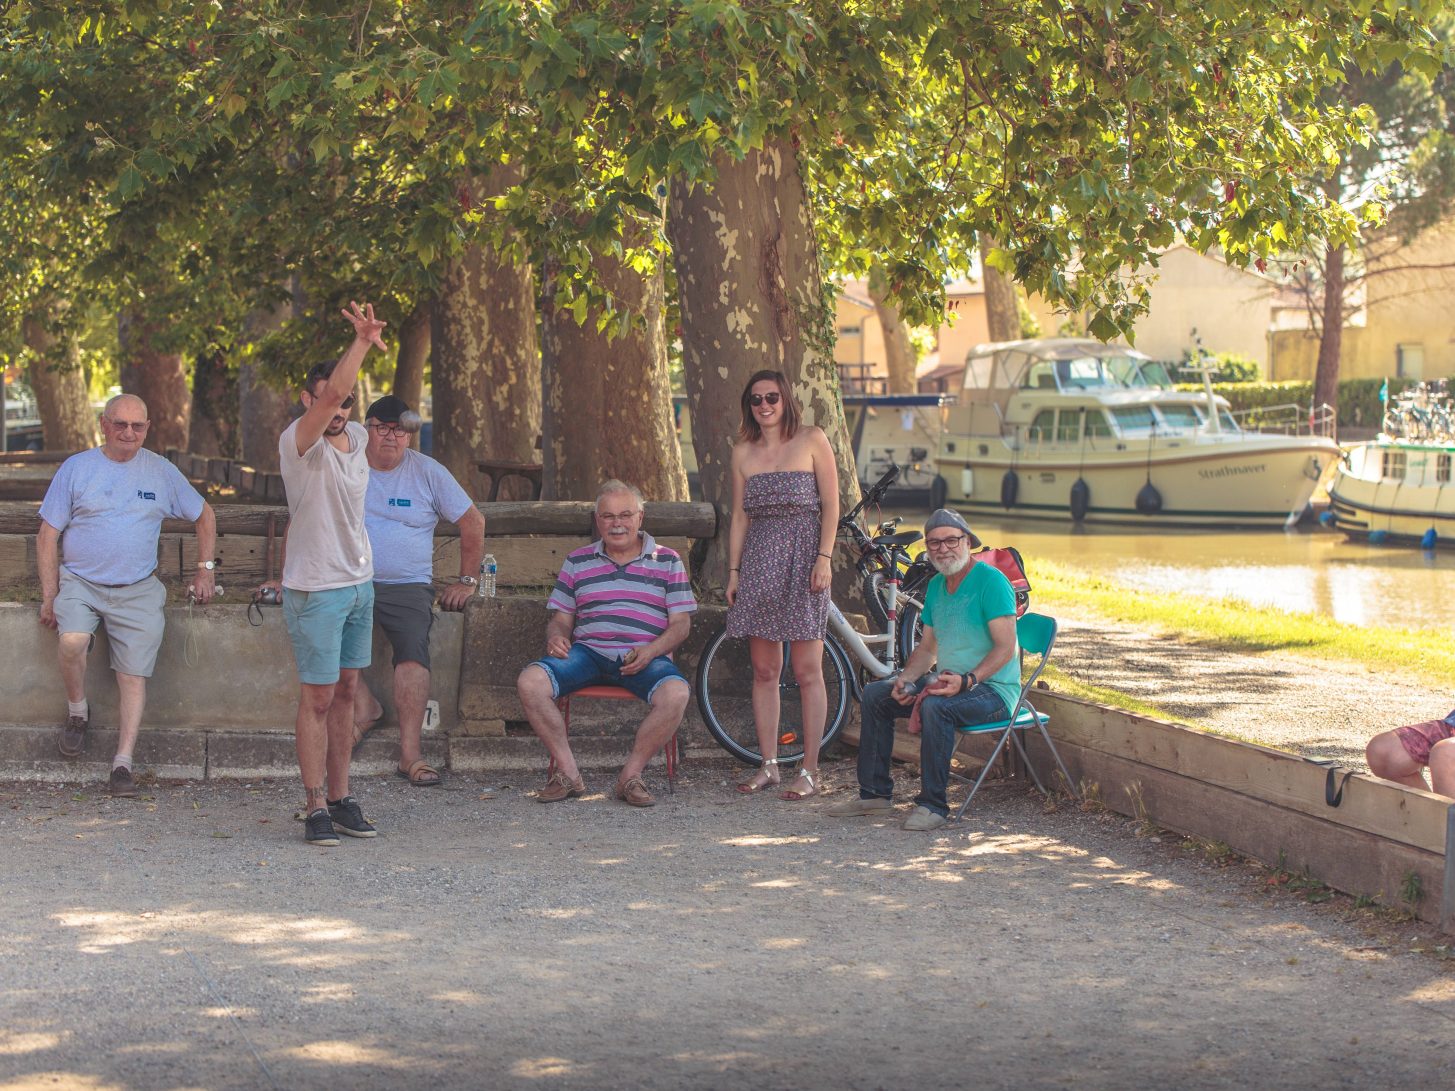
(621, 607)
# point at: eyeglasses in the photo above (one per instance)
(389, 429)
(759, 399)
(129, 425)
(617, 517)
(943, 544)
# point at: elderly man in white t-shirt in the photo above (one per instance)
(328, 580)
(409, 493)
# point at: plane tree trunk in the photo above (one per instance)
(751, 297)
(1331, 336)
(414, 347)
(487, 366)
(608, 403)
(214, 407)
(898, 352)
(55, 377)
(157, 378)
(1002, 316)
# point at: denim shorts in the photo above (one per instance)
(583, 667)
(331, 630)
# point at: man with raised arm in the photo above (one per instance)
(110, 502)
(328, 580)
(408, 494)
(620, 607)
(969, 633)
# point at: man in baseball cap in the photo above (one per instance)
(969, 630)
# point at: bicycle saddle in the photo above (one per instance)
(903, 538)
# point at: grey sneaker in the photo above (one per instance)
(922, 819)
(858, 808)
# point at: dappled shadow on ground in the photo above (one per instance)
(486, 940)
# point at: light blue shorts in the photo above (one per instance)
(331, 630)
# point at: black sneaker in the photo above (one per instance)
(349, 818)
(318, 830)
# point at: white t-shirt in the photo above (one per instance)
(327, 545)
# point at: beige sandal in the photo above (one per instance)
(752, 784)
(793, 796)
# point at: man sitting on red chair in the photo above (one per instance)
(628, 604)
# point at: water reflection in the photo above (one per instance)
(1307, 569)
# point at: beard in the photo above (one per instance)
(336, 426)
(952, 565)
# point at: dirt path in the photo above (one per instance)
(1280, 700)
(485, 940)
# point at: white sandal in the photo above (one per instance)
(813, 787)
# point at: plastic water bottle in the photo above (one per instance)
(486, 587)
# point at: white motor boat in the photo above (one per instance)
(1075, 429)
(1395, 489)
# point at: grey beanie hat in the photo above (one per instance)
(944, 517)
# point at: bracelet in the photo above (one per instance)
(826, 556)
(734, 569)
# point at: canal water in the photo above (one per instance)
(1307, 569)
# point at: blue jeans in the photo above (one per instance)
(584, 667)
(939, 717)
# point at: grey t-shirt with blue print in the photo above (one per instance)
(400, 514)
(111, 513)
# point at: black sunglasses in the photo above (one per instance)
(347, 403)
(759, 399)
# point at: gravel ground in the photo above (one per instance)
(190, 939)
(1281, 700)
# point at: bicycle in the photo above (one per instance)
(725, 672)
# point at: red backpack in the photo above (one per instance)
(1007, 560)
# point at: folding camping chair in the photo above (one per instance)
(1036, 634)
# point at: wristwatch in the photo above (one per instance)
(209, 565)
(970, 681)
(469, 581)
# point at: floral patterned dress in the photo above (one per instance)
(774, 600)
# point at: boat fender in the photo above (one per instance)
(1080, 499)
(939, 492)
(1377, 537)
(1010, 486)
(1326, 518)
(1149, 500)
(1427, 541)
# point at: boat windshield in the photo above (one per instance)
(1090, 372)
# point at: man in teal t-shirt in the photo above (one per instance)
(969, 630)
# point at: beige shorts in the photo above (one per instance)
(132, 615)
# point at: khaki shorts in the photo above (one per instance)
(132, 615)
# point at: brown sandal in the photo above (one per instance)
(361, 732)
(420, 774)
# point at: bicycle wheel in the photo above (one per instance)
(908, 630)
(725, 698)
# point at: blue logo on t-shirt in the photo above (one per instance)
(145, 495)
(399, 502)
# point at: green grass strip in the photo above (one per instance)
(1241, 626)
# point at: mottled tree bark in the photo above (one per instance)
(157, 378)
(1331, 336)
(751, 297)
(414, 345)
(214, 407)
(487, 368)
(608, 404)
(55, 378)
(1002, 315)
(899, 358)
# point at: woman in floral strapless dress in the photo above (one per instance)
(785, 517)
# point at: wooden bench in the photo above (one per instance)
(497, 471)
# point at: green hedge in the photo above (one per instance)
(1359, 405)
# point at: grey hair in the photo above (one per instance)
(609, 487)
(111, 403)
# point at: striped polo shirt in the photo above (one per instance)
(621, 607)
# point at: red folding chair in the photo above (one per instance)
(671, 752)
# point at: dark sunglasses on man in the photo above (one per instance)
(759, 399)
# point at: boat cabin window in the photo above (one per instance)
(1068, 427)
(1442, 469)
(1043, 427)
(1097, 424)
(1394, 465)
(1040, 376)
(1180, 418)
(1133, 420)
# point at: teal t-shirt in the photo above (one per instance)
(962, 625)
